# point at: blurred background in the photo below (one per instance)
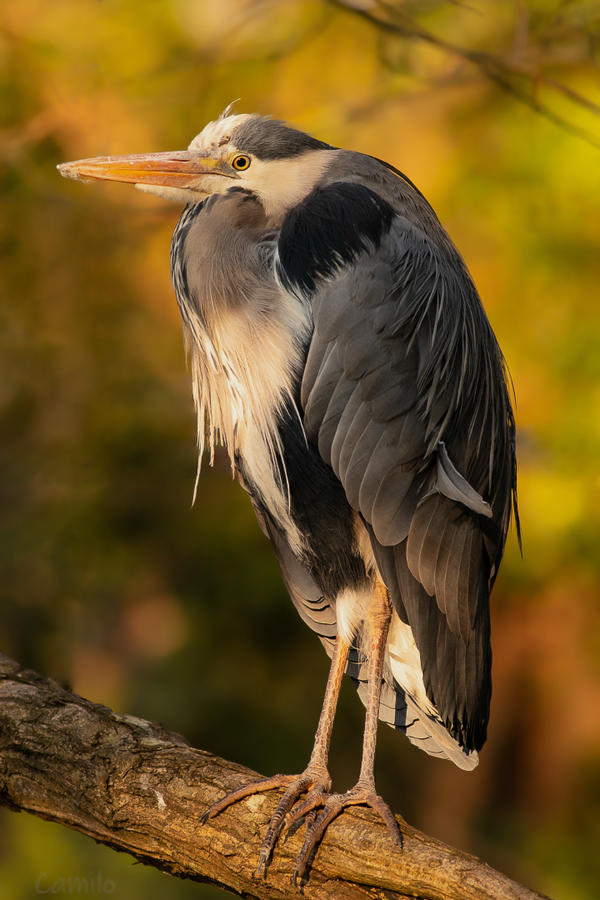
(110, 581)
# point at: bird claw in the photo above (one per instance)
(255, 787)
(317, 786)
(316, 798)
(280, 820)
(333, 805)
(317, 782)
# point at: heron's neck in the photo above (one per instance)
(245, 337)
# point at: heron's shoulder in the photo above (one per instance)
(350, 165)
(328, 230)
(345, 217)
(389, 183)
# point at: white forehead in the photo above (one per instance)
(217, 134)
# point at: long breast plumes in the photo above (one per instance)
(245, 338)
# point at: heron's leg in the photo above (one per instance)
(316, 775)
(320, 751)
(363, 792)
(316, 778)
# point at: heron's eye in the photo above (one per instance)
(241, 162)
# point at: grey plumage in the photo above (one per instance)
(340, 352)
(402, 383)
(407, 340)
(274, 139)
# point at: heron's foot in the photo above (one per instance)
(255, 787)
(332, 805)
(315, 781)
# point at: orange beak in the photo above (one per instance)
(180, 169)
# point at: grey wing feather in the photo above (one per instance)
(451, 483)
(314, 609)
(403, 379)
(396, 708)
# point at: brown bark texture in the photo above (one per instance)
(133, 786)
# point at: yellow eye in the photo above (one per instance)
(241, 162)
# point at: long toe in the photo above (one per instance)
(315, 799)
(281, 817)
(333, 806)
(255, 787)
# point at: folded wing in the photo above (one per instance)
(404, 394)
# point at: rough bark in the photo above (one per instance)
(135, 787)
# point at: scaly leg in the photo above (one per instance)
(363, 792)
(315, 778)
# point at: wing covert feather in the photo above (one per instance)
(404, 395)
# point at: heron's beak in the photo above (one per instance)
(180, 169)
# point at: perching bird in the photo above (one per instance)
(341, 354)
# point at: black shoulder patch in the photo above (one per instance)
(328, 229)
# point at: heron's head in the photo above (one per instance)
(278, 163)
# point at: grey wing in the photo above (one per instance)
(396, 708)
(319, 613)
(405, 396)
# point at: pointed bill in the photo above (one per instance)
(179, 169)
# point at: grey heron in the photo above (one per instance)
(341, 354)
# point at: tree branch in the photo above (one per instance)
(518, 77)
(133, 786)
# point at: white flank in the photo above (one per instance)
(405, 662)
(351, 608)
